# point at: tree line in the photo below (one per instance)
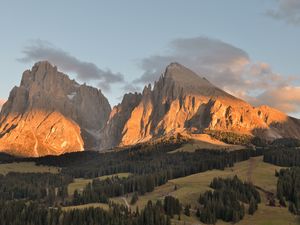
(286, 157)
(29, 213)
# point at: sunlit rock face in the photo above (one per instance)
(51, 114)
(112, 134)
(183, 102)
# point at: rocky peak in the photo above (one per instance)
(183, 102)
(184, 76)
(49, 102)
(177, 80)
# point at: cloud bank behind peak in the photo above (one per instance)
(228, 67)
(86, 71)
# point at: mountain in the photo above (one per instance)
(183, 102)
(51, 114)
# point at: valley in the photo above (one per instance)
(186, 188)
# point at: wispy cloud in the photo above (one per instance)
(286, 10)
(285, 98)
(226, 66)
(85, 71)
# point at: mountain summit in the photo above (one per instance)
(49, 114)
(181, 102)
(186, 79)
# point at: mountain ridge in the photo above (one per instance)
(51, 114)
(183, 102)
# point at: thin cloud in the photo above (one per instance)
(85, 71)
(285, 98)
(286, 10)
(225, 65)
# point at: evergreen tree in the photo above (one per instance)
(252, 206)
(134, 198)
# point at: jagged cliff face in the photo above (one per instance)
(183, 102)
(51, 114)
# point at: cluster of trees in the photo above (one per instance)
(234, 138)
(288, 188)
(102, 190)
(22, 213)
(286, 142)
(286, 157)
(45, 187)
(227, 200)
(172, 206)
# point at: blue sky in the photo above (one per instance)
(249, 48)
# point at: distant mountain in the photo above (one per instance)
(183, 102)
(51, 114)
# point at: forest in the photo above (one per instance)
(149, 167)
(227, 200)
(22, 213)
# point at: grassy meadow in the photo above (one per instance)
(26, 167)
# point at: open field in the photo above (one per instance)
(94, 205)
(190, 187)
(80, 183)
(26, 167)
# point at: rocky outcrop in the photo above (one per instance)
(51, 114)
(183, 102)
(112, 133)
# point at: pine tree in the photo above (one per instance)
(134, 198)
(252, 206)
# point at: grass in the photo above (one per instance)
(195, 145)
(94, 205)
(26, 167)
(189, 188)
(80, 183)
